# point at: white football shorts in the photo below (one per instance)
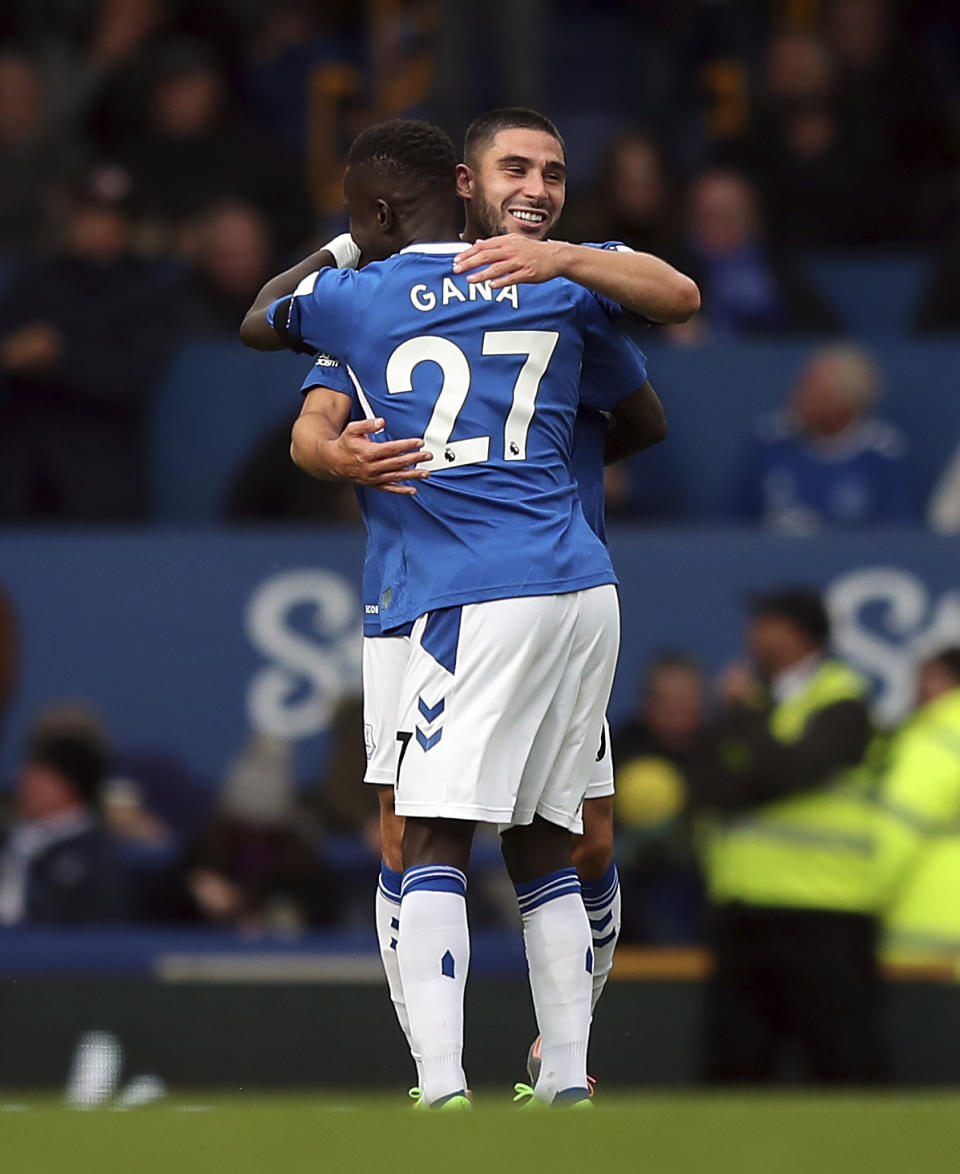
(600, 783)
(501, 708)
(384, 659)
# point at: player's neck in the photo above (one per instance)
(471, 232)
(433, 228)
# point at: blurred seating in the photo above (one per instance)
(217, 399)
(713, 395)
(873, 296)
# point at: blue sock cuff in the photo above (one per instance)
(532, 894)
(434, 878)
(597, 893)
(390, 883)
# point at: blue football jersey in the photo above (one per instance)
(589, 443)
(586, 465)
(492, 381)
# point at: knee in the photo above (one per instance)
(437, 841)
(593, 851)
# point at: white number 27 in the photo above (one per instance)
(537, 346)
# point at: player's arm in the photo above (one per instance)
(637, 422)
(255, 330)
(639, 282)
(326, 444)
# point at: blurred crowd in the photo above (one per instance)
(250, 851)
(159, 160)
(96, 833)
(766, 815)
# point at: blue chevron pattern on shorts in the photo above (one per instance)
(428, 743)
(430, 713)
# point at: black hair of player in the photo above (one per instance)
(485, 128)
(417, 152)
(949, 659)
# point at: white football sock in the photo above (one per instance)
(601, 899)
(556, 934)
(434, 956)
(387, 908)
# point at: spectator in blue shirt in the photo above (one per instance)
(825, 462)
(750, 289)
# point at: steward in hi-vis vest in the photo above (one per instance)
(920, 789)
(788, 850)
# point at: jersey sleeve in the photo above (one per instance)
(613, 365)
(320, 314)
(327, 372)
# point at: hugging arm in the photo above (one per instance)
(637, 422)
(327, 445)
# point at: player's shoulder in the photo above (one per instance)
(326, 371)
(428, 262)
(325, 360)
(613, 310)
(425, 253)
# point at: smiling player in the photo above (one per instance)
(513, 184)
(513, 181)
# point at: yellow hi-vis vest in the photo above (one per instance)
(921, 786)
(811, 851)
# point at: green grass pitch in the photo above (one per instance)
(646, 1133)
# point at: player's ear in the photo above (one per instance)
(464, 181)
(385, 215)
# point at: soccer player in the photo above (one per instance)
(513, 180)
(515, 626)
(513, 184)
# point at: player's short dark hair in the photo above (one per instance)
(949, 659)
(484, 128)
(416, 151)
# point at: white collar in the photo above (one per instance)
(789, 683)
(441, 247)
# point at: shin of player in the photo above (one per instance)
(599, 882)
(387, 912)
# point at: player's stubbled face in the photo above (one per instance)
(519, 184)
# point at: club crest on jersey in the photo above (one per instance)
(423, 298)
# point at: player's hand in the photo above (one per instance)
(507, 260)
(376, 465)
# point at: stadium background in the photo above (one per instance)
(212, 622)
